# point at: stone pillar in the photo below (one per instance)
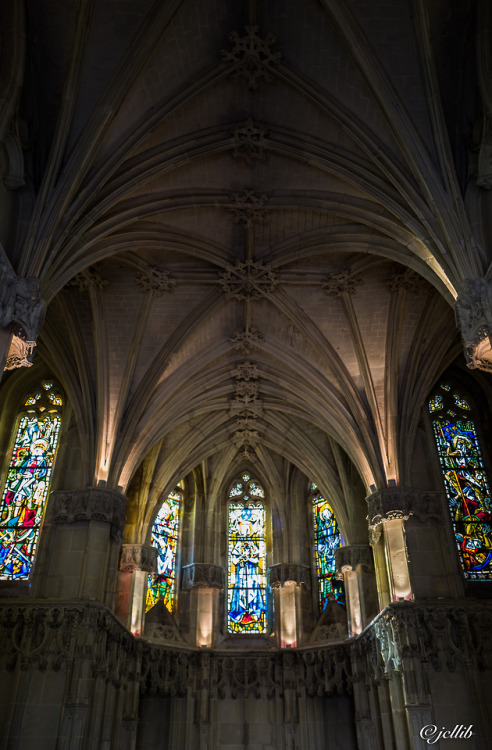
(204, 582)
(287, 581)
(137, 561)
(413, 528)
(79, 546)
(355, 568)
(21, 313)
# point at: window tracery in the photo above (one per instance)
(164, 536)
(246, 591)
(327, 539)
(28, 480)
(465, 480)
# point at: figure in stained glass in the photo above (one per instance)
(327, 540)
(466, 485)
(26, 488)
(247, 560)
(164, 537)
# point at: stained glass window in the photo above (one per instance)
(466, 484)
(164, 536)
(27, 484)
(246, 591)
(327, 539)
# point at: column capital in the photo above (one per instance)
(138, 557)
(351, 556)
(203, 575)
(279, 574)
(393, 503)
(474, 316)
(89, 504)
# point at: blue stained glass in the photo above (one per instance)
(327, 540)
(26, 489)
(164, 536)
(467, 489)
(246, 595)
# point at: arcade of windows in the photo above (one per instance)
(31, 464)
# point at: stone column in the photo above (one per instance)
(287, 581)
(204, 582)
(21, 315)
(413, 528)
(79, 546)
(355, 568)
(137, 561)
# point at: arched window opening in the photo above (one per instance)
(327, 538)
(164, 537)
(246, 591)
(28, 481)
(465, 480)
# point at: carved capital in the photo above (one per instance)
(400, 502)
(203, 575)
(20, 302)
(138, 557)
(279, 575)
(89, 504)
(474, 317)
(352, 556)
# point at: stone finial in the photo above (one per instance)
(474, 317)
(343, 282)
(252, 56)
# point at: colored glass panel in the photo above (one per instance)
(327, 540)
(435, 403)
(164, 536)
(246, 593)
(467, 489)
(25, 493)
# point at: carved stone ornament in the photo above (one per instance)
(352, 556)
(247, 341)
(19, 352)
(474, 317)
(20, 302)
(203, 575)
(87, 279)
(138, 557)
(279, 575)
(250, 142)
(247, 208)
(155, 280)
(248, 280)
(407, 280)
(400, 502)
(89, 504)
(343, 282)
(246, 371)
(252, 56)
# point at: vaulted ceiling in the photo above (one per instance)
(249, 224)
